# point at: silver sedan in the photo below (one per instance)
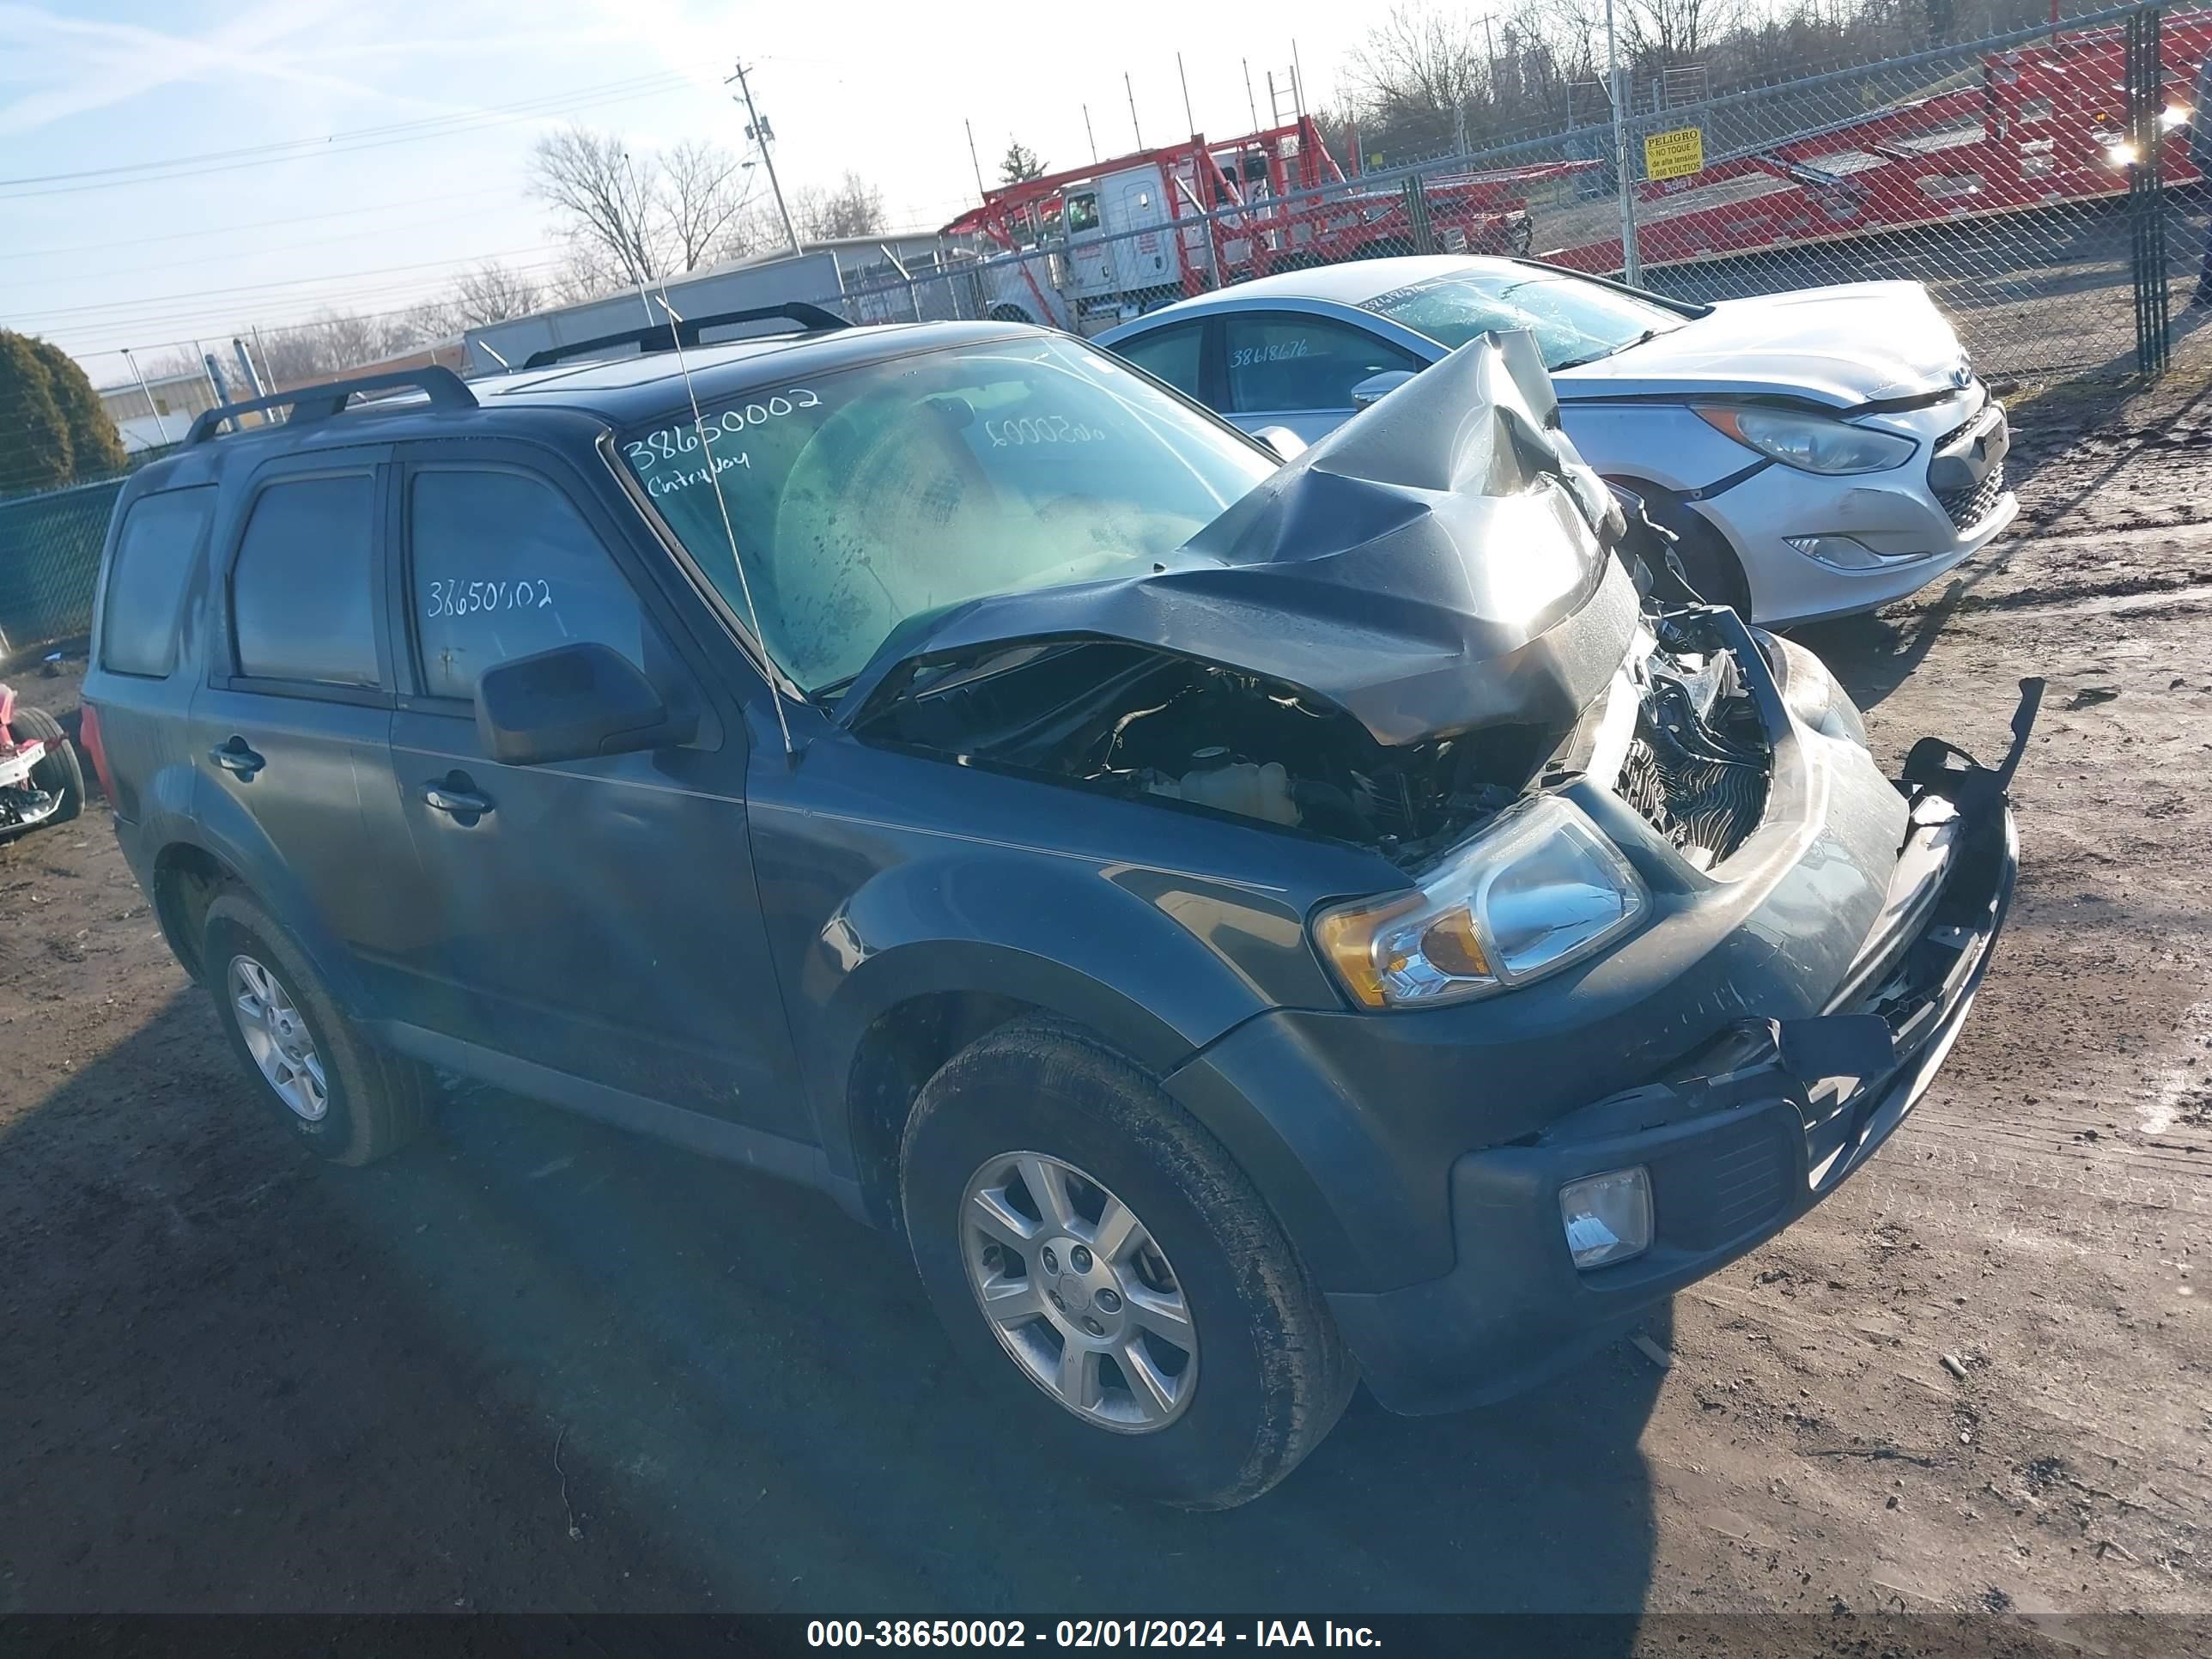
(1818, 452)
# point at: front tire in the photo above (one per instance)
(1707, 559)
(346, 1100)
(1148, 1313)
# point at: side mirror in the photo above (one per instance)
(1286, 444)
(573, 702)
(1376, 387)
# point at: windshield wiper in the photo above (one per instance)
(1610, 351)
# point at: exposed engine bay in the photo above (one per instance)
(1144, 724)
(1698, 767)
(1388, 642)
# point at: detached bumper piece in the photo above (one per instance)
(1737, 1143)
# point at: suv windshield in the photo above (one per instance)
(1575, 321)
(860, 498)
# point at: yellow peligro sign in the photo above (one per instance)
(1674, 155)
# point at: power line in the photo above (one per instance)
(260, 252)
(338, 143)
(209, 317)
(294, 282)
(261, 224)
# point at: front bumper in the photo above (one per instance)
(1922, 518)
(1767, 1120)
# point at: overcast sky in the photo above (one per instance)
(176, 170)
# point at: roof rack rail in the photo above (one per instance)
(327, 398)
(685, 330)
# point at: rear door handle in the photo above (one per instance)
(235, 758)
(456, 803)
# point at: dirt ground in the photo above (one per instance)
(537, 1364)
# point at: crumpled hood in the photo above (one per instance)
(1431, 567)
(1853, 343)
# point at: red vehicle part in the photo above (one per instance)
(2039, 132)
(16, 759)
(1272, 200)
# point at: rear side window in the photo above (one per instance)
(301, 592)
(1169, 355)
(1282, 361)
(146, 580)
(502, 565)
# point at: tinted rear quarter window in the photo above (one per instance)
(301, 592)
(153, 555)
(1169, 355)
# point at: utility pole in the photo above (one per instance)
(1631, 261)
(1131, 89)
(1092, 136)
(161, 426)
(759, 132)
(981, 193)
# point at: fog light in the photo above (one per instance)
(1837, 552)
(1607, 1217)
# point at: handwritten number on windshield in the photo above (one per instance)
(675, 442)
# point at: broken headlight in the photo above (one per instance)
(1540, 889)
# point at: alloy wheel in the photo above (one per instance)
(1078, 1292)
(277, 1037)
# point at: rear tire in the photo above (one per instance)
(59, 773)
(1211, 1414)
(346, 1099)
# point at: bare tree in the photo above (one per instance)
(1417, 73)
(853, 208)
(584, 273)
(1666, 34)
(757, 229)
(492, 293)
(612, 209)
(703, 195)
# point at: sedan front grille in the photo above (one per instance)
(1969, 506)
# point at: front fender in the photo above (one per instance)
(1662, 443)
(1158, 926)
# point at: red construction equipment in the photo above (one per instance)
(1125, 235)
(2046, 126)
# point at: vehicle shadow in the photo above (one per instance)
(1871, 655)
(534, 1363)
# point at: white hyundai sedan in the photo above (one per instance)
(1818, 452)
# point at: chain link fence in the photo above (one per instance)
(2019, 176)
(50, 547)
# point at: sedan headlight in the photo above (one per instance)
(1540, 889)
(1811, 443)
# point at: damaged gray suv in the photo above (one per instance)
(1247, 925)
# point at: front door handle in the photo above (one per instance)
(235, 758)
(455, 802)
